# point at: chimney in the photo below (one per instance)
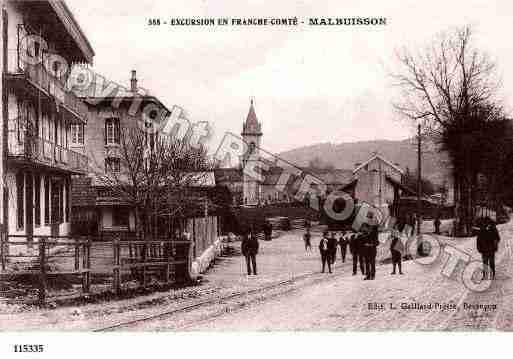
(133, 81)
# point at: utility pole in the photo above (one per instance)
(419, 180)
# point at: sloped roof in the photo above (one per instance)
(68, 20)
(251, 119)
(223, 175)
(251, 125)
(332, 176)
(379, 157)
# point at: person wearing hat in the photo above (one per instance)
(356, 252)
(487, 244)
(325, 250)
(370, 244)
(396, 246)
(332, 244)
(249, 249)
(343, 242)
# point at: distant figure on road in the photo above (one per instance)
(332, 244)
(370, 244)
(249, 249)
(343, 242)
(268, 230)
(437, 223)
(308, 224)
(396, 246)
(325, 251)
(356, 253)
(307, 238)
(487, 244)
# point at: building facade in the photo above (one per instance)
(378, 182)
(110, 116)
(252, 136)
(41, 42)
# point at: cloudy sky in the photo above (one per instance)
(310, 84)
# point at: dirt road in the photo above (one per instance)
(391, 302)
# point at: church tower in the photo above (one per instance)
(252, 136)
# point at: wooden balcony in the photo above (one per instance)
(24, 75)
(35, 151)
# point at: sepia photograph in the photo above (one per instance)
(245, 167)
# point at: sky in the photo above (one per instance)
(309, 84)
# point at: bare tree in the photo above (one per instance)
(156, 176)
(450, 87)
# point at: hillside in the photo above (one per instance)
(345, 155)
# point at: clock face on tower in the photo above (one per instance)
(252, 147)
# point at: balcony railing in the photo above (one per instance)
(44, 152)
(39, 76)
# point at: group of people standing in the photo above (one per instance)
(363, 248)
(362, 245)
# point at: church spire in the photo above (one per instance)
(251, 125)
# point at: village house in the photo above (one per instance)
(97, 208)
(38, 114)
(99, 139)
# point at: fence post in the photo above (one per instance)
(167, 254)
(143, 259)
(77, 254)
(86, 280)
(3, 237)
(42, 271)
(117, 263)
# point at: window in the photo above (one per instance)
(120, 217)
(112, 131)
(20, 199)
(37, 200)
(112, 164)
(77, 134)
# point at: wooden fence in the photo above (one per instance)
(49, 256)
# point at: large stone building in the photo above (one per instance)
(38, 112)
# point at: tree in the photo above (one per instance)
(410, 180)
(450, 87)
(157, 176)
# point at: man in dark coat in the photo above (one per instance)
(249, 249)
(325, 251)
(437, 223)
(332, 244)
(343, 242)
(396, 246)
(487, 244)
(355, 249)
(370, 244)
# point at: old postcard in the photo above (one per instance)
(200, 166)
